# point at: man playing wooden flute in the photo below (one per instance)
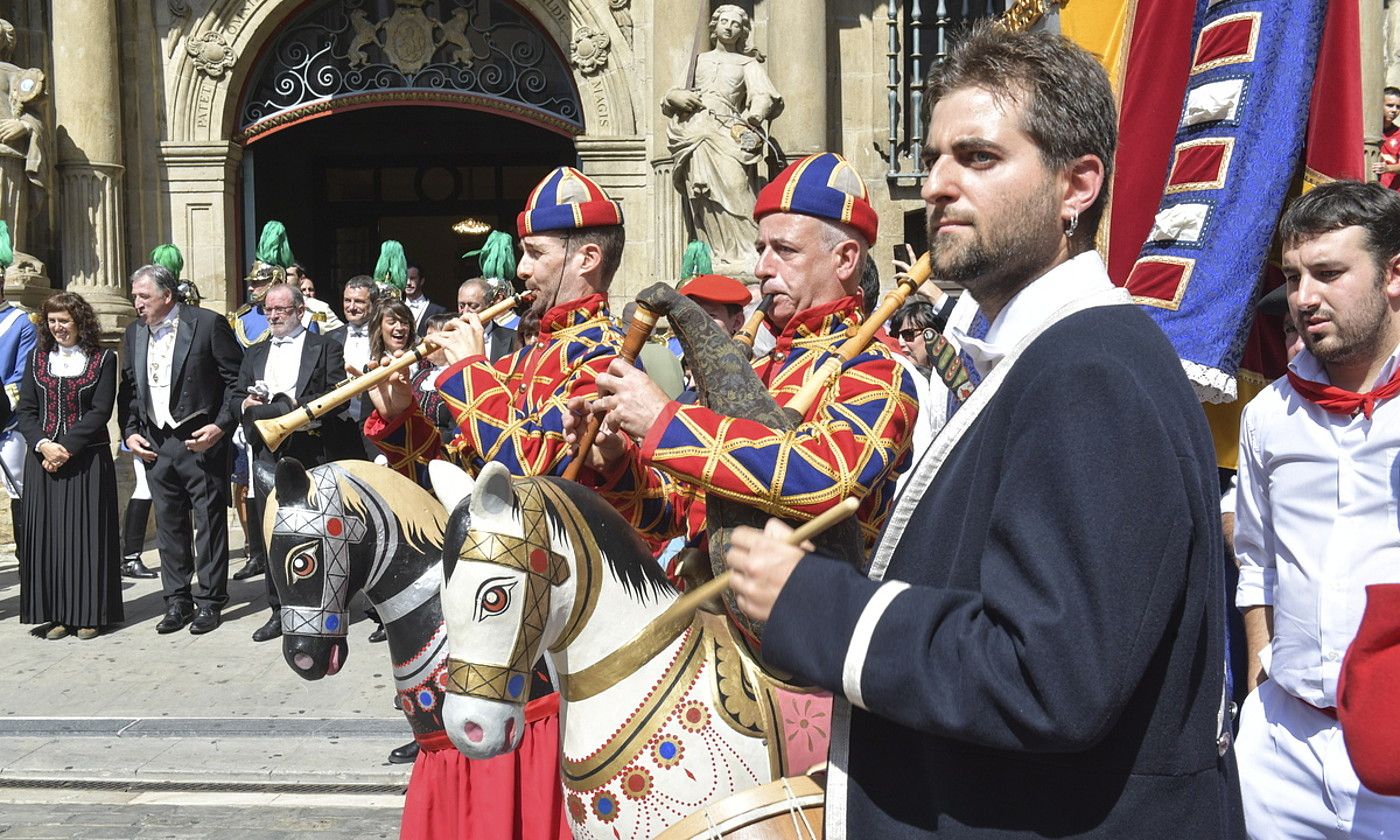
(512, 411)
(656, 459)
(1037, 648)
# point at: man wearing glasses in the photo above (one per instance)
(292, 367)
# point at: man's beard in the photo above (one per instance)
(1356, 338)
(1003, 255)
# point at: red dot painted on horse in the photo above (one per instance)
(334, 526)
(539, 561)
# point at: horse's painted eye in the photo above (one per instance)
(493, 597)
(304, 565)
(301, 561)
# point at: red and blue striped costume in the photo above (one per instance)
(513, 411)
(853, 442)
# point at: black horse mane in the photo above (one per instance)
(628, 556)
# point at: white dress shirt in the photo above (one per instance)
(1315, 523)
(160, 359)
(284, 363)
(67, 362)
(417, 306)
(1071, 280)
(357, 346)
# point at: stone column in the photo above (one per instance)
(87, 110)
(197, 186)
(1372, 78)
(797, 32)
(1392, 42)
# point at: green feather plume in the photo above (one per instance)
(273, 247)
(497, 256)
(697, 259)
(7, 253)
(392, 268)
(170, 258)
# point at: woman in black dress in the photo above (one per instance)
(69, 569)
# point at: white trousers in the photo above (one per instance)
(1296, 778)
(12, 452)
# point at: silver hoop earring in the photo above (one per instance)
(1073, 225)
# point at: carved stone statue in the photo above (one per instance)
(716, 139)
(21, 138)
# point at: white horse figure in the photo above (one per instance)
(661, 712)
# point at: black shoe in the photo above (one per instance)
(269, 631)
(176, 617)
(379, 634)
(406, 754)
(205, 620)
(252, 568)
(134, 568)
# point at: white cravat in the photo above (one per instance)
(357, 346)
(1079, 277)
(1315, 524)
(67, 362)
(417, 306)
(160, 360)
(284, 363)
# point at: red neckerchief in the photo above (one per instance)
(1340, 400)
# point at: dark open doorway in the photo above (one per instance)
(344, 183)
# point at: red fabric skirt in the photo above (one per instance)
(515, 796)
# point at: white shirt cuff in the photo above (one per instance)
(1256, 587)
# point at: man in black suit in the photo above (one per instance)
(474, 295)
(418, 302)
(358, 303)
(298, 366)
(179, 364)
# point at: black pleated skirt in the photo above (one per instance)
(70, 568)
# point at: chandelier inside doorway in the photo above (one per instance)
(355, 53)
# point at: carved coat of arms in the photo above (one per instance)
(410, 38)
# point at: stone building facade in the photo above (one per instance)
(352, 121)
(194, 121)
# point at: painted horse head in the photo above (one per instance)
(522, 565)
(336, 530)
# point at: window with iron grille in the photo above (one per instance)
(920, 35)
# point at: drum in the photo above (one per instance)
(785, 809)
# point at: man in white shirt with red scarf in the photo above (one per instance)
(1316, 520)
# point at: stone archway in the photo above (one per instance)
(213, 58)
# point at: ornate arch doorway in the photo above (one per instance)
(375, 119)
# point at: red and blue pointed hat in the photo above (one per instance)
(567, 199)
(824, 185)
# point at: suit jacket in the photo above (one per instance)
(204, 369)
(500, 342)
(1045, 655)
(322, 367)
(357, 409)
(433, 309)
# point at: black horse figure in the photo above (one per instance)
(332, 534)
(352, 526)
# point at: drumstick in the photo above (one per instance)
(710, 588)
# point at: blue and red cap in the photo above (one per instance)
(824, 185)
(567, 199)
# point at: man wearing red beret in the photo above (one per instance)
(723, 298)
(653, 458)
(1315, 524)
